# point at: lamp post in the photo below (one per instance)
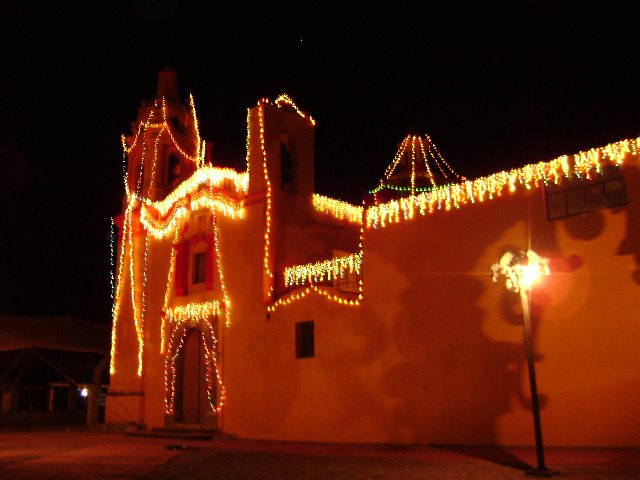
(521, 271)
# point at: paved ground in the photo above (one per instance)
(101, 456)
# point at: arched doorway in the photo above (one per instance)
(194, 390)
(191, 394)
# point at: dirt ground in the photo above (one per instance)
(99, 455)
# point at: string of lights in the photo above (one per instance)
(247, 146)
(194, 312)
(223, 191)
(112, 254)
(132, 284)
(284, 99)
(323, 292)
(338, 209)
(442, 164)
(200, 147)
(327, 270)
(216, 402)
(168, 289)
(220, 270)
(115, 311)
(225, 179)
(184, 319)
(584, 165)
(267, 183)
(413, 158)
(194, 158)
(178, 333)
(203, 199)
(195, 315)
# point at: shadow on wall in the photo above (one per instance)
(580, 229)
(630, 245)
(453, 382)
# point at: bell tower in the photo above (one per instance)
(163, 148)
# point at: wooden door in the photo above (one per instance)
(192, 378)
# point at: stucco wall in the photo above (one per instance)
(435, 352)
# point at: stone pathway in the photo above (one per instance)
(102, 456)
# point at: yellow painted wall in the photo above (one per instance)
(124, 400)
(434, 354)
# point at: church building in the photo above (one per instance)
(249, 304)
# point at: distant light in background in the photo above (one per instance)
(156, 9)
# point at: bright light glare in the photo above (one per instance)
(84, 392)
(529, 275)
(521, 270)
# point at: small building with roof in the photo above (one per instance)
(248, 303)
(53, 370)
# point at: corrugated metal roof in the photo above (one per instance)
(57, 333)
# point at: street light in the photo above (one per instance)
(522, 270)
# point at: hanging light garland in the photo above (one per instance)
(200, 146)
(220, 270)
(176, 342)
(284, 99)
(112, 256)
(234, 184)
(223, 190)
(334, 269)
(215, 189)
(194, 158)
(134, 304)
(180, 319)
(115, 311)
(161, 227)
(179, 332)
(193, 312)
(169, 288)
(267, 184)
(183, 319)
(584, 165)
(416, 154)
(337, 209)
(327, 294)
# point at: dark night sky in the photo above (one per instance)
(495, 84)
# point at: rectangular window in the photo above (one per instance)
(305, 341)
(199, 267)
(581, 195)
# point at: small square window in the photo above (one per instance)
(556, 206)
(575, 201)
(615, 193)
(594, 197)
(582, 195)
(199, 267)
(305, 347)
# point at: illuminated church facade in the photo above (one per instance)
(247, 303)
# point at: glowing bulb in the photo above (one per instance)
(531, 272)
(521, 270)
